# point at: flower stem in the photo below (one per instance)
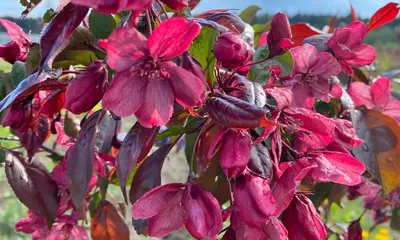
(149, 21)
(163, 9)
(191, 173)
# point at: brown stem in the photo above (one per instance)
(149, 21)
(163, 9)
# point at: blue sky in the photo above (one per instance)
(364, 8)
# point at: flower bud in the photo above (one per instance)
(302, 220)
(231, 50)
(87, 89)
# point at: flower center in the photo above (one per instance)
(310, 79)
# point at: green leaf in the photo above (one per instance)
(261, 72)
(17, 73)
(94, 202)
(6, 132)
(201, 49)
(101, 25)
(170, 132)
(32, 60)
(48, 15)
(395, 219)
(189, 139)
(328, 109)
(75, 57)
(249, 13)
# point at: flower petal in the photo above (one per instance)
(361, 94)
(205, 217)
(169, 220)
(336, 167)
(125, 48)
(393, 109)
(107, 6)
(157, 103)
(380, 92)
(172, 37)
(303, 57)
(234, 154)
(188, 89)
(156, 200)
(302, 95)
(365, 54)
(126, 93)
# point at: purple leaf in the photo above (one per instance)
(33, 185)
(235, 113)
(135, 147)
(260, 161)
(32, 140)
(80, 160)
(58, 30)
(32, 84)
(148, 176)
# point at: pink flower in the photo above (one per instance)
(170, 206)
(376, 96)
(34, 225)
(18, 48)
(272, 228)
(67, 229)
(302, 220)
(231, 50)
(345, 137)
(146, 82)
(347, 47)
(87, 88)
(311, 72)
(335, 167)
(234, 153)
(106, 6)
(278, 37)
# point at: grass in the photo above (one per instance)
(4, 65)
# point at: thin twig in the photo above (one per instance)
(51, 151)
(163, 8)
(148, 20)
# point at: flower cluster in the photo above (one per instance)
(251, 115)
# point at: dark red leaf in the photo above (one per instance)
(384, 15)
(135, 147)
(353, 13)
(260, 161)
(148, 176)
(193, 3)
(80, 160)
(32, 84)
(108, 224)
(227, 19)
(58, 30)
(332, 23)
(33, 139)
(211, 24)
(235, 113)
(33, 185)
(300, 31)
(108, 128)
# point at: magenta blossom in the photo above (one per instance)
(302, 220)
(18, 48)
(311, 72)
(107, 7)
(376, 96)
(278, 37)
(170, 206)
(146, 82)
(87, 88)
(234, 153)
(347, 47)
(231, 50)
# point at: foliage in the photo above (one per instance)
(268, 112)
